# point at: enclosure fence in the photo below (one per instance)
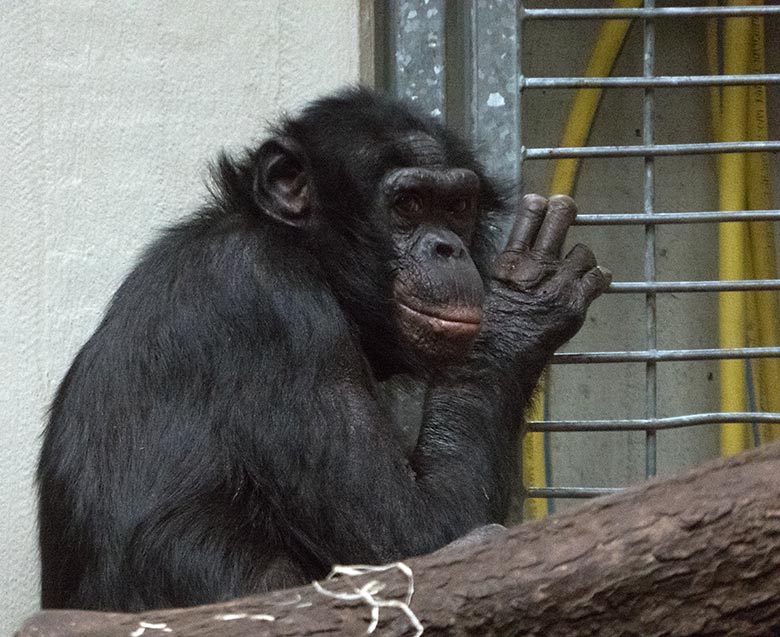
(462, 60)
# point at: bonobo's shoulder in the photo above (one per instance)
(208, 240)
(195, 251)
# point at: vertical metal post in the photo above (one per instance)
(416, 53)
(648, 113)
(520, 86)
(494, 100)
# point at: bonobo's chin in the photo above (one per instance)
(439, 336)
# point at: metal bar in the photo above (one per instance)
(652, 151)
(576, 358)
(643, 424)
(417, 53)
(495, 92)
(653, 287)
(570, 492)
(676, 217)
(648, 197)
(666, 12)
(659, 81)
(520, 90)
(519, 159)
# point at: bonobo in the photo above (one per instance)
(220, 434)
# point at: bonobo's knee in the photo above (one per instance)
(476, 536)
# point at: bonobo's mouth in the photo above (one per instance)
(459, 322)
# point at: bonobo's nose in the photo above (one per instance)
(441, 244)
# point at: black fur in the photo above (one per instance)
(220, 435)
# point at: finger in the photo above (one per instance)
(527, 224)
(561, 211)
(595, 283)
(580, 259)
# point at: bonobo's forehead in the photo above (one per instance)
(448, 182)
(419, 149)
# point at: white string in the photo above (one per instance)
(142, 626)
(369, 591)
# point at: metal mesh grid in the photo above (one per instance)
(651, 356)
(494, 30)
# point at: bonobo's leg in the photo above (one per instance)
(474, 537)
(402, 397)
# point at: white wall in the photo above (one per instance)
(110, 111)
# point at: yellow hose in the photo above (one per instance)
(762, 240)
(583, 111)
(732, 176)
(753, 244)
(586, 101)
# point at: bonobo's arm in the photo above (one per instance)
(323, 479)
(536, 302)
(459, 475)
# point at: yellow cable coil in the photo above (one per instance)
(583, 111)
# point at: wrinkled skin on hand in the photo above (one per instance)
(537, 298)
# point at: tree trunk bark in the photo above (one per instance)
(694, 555)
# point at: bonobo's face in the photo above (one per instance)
(396, 213)
(437, 289)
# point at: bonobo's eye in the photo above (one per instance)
(408, 205)
(461, 208)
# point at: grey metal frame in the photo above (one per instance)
(493, 28)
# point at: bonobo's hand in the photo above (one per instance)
(537, 299)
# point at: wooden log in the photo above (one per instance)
(694, 555)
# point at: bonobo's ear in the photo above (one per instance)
(282, 186)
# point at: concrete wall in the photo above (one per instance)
(110, 111)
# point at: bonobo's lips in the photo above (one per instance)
(459, 322)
